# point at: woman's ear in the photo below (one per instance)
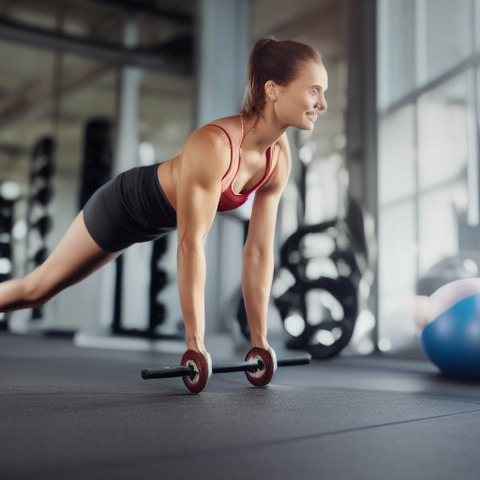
(271, 90)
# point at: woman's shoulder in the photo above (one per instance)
(211, 141)
(221, 130)
(233, 121)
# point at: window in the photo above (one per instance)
(427, 151)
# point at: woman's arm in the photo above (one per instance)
(258, 255)
(204, 161)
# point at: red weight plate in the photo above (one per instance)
(268, 365)
(202, 370)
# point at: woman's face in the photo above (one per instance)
(299, 103)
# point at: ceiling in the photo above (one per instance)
(60, 65)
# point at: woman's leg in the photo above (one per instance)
(75, 258)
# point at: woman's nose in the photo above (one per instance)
(322, 104)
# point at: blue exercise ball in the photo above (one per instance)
(452, 339)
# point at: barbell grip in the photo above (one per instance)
(237, 367)
(291, 362)
(167, 372)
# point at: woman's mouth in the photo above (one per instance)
(312, 116)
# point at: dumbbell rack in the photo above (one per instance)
(6, 224)
(40, 193)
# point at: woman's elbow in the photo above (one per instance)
(257, 254)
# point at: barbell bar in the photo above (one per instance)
(248, 366)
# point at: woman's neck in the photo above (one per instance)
(259, 133)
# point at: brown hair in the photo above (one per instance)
(276, 60)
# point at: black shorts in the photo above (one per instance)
(129, 209)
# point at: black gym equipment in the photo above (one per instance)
(334, 294)
(97, 157)
(158, 282)
(7, 209)
(6, 222)
(330, 333)
(40, 195)
(44, 195)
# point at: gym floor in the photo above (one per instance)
(78, 413)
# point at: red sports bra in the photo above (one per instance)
(228, 198)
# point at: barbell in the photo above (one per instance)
(259, 366)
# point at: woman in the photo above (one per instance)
(220, 165)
